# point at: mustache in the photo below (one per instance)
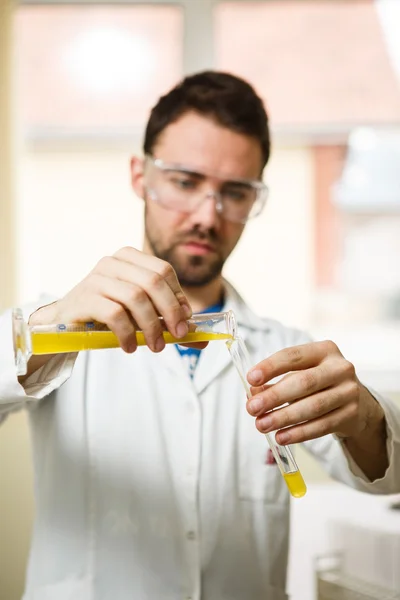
(198, 235)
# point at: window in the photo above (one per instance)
(94, 68)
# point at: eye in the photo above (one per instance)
(183, 182)
(237, 194)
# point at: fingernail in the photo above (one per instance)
(283, 438)
(255, 405)
(131, 346)
(187, 310)
(160, 344)
(182, 329)
(255, 376)
(265, 424)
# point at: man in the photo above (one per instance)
(151, 480)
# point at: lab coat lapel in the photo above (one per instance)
(213, 360)
(216, 358)
(173, 361)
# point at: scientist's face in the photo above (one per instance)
(186, 223)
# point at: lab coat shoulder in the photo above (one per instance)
(13, 395)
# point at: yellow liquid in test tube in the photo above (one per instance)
(75, 341)
(295, 483)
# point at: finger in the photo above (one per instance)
(259, 388)
(295, 386)
(163, 268)
(135, 300)
(164, 300)
(113, 314)
(295, 358)
(307, 409)
(157, 289)
(334, 422)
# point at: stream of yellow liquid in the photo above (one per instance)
(295, 483)
(75, 341)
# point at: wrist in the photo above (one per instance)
(368, 446)
(373, 433)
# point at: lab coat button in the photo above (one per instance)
(191, 535)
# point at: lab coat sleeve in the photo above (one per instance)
(334, 457)
(15, 396)
(390, 482)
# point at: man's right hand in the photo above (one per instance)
(126, 292)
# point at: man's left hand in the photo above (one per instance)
(318, 394)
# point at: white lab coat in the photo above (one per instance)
(150, 485)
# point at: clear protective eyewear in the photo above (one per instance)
(184, 189)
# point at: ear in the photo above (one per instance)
(137, 176)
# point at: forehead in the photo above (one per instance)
(204, 145)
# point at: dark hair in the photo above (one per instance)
(229, 100)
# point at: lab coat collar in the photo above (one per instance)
(215, 358)
(247, 321)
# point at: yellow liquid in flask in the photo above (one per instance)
(74, 341)
(295, 483)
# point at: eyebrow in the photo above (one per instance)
(192, 173)
(186, 172)
(240, 184)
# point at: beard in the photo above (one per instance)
(191, 270)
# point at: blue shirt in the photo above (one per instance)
(191, 355)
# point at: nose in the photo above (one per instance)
(208, 211)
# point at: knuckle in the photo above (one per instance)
(92, 281)
(137, 295)
(325, 427)
(114, 314)
(103, 265)
(319, 405)
(348, 369)
(123, 251)
(283, 419)
(294, 354)
(308, 381)
(174, 313)
(165, 270)
(336, 396)
(153, 328)
(353, 409)
(329, 347)
(352, 389)
(272, 397)
(300, 433)
(155, 281)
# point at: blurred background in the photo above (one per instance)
(77, 81)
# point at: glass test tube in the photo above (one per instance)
(282, 454)
(62, 338)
